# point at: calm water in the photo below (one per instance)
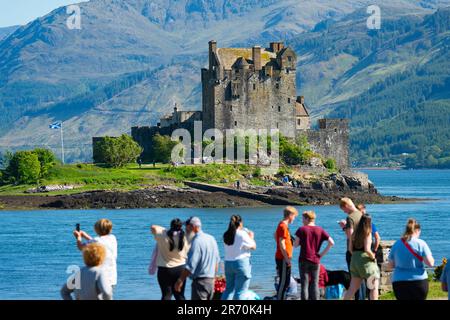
(38, 246)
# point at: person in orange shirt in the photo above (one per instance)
(283, 256)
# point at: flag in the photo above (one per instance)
(56, 125)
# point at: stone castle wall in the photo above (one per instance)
(331, 140)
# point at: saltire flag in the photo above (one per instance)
(56, 125)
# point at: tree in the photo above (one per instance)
(117, 152)
(24, 167)
(5, 158)
(47, 160)
(162, 148)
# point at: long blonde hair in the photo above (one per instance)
(411, 227)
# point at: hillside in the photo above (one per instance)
(404, 116)
(115, 73)
(4, 32)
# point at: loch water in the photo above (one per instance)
(36, 247)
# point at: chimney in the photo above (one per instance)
(257, 58)
(301, 100)
(212, 50)
(276, 47)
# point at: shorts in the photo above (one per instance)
(363, 267)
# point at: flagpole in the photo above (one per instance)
(62, 143)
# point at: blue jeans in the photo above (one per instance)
(238, 274)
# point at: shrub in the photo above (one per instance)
(117, 152)
(257, 172)
(330, 164)
(291, 153)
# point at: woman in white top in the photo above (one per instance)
(173, 248)
(238, 244)
(103, 228)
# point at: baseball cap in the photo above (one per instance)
(194, 221)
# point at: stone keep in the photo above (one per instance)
(250, 88)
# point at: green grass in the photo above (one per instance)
(88, 177)
(435, 293)
(211, 173)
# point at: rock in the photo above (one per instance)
(318, 185)
(315, 162)
(50, 188)
(340, 182)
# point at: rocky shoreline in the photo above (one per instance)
(308, 186)
(188, 197)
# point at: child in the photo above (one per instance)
(103, 228)
(94, 283)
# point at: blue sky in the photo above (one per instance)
(19, 12)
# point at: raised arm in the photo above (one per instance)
(249, 241)
(156, 229)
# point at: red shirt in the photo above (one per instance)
(283, 233)
(311, 239)
(323, 277)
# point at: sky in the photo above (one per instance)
(20, 12)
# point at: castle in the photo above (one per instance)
(253, 88)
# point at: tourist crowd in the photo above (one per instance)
(185, 251)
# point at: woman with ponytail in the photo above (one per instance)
(238, 244)
(408, 258)
(173, 248)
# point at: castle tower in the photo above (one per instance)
(250, 88)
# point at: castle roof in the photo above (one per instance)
(301, 110)
(228, 56)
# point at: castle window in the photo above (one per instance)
(289, 58)
(254, 86)
(279, 109)
(278, 125)
(235, 123)
(231, 108)
(299, 121)
(289, 100)
(277, 86)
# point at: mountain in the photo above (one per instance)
(4, 32)
(392, 83)
(115, 73)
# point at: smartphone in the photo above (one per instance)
(78, 227)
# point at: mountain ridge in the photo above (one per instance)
(45, 68)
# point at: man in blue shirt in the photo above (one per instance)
(445, 279)
(202, 263)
